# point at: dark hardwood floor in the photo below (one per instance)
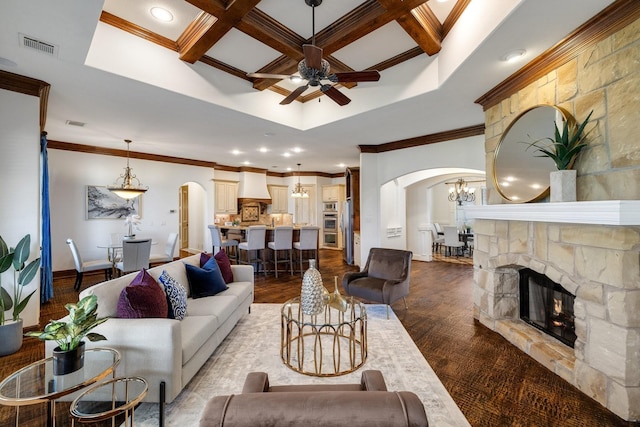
(493, 382)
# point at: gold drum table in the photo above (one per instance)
(327, 344)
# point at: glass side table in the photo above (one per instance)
(35, 383)
(328, 344)
(109, 399)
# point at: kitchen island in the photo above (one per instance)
(238, 232)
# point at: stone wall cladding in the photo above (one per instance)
(605, 78)
(597, 263)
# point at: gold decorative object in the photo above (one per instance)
(313, 295)
(338, 301)
(328, 344)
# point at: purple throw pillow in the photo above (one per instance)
(204, 257)
(142, 298)
(225, 266)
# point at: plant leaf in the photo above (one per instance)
(3, 247)
(20, 306)
(7, 302)
(21, 253)
(6, 261)
(29, 272)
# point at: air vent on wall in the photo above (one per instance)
(39, 45)
(74, 123)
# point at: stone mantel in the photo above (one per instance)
(605, 212)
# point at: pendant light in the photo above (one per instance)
(126, 189)
(298, 191)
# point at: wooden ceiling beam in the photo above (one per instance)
(261, 26)
(421, 24)
(359, 22)
(194, 45)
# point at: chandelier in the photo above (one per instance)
(298, 191)
(461, 192)
(126, 189)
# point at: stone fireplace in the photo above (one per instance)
(591, 249)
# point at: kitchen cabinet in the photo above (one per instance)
(226, 197)
(279, 198)
(332, 193)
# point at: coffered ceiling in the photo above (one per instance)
(180, 88)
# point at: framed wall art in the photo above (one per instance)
(103, 204)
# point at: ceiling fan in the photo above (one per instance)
(314, 69)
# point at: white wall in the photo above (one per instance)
(462, 157)
(20, 191)
(70, 172)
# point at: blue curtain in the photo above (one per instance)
(46, 272)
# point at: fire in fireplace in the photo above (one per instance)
(546, 305)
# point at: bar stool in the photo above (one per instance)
(308, 242)
(218, 242)
(256, 236)
(282, 241)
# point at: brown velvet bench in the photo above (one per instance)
(320, 405)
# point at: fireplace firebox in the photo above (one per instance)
(547, 306)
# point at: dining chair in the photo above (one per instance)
(282, 241)
(169, 249)
(438, 241)
(135, 255)
(85, 266)
(452, 240)
(220, 243)
(438, 228)
(308, 242)
(255, 241)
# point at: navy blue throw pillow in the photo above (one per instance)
(205, 281)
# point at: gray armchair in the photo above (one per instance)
(384, 279)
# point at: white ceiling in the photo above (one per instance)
(124, 87)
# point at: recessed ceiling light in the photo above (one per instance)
(287, 154)
(263, 149)
(161, 14)
(297, 150)
(514, 55)
(246, 162)
(295, 79)
(236, 152)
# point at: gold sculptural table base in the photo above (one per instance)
(328, 344)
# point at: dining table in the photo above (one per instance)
(112, 251)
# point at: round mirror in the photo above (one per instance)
(520, 175)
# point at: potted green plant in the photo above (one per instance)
(69, 333)
(23, 274)
(563, 150)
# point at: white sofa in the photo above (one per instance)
(169, 350)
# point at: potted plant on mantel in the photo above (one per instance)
(23, 274)
(563, 150)
(69, 331)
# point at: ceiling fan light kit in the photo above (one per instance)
(315, 69)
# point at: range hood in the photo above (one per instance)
(253, 188)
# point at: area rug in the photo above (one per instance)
(254, 345)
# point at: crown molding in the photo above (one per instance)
(611, 20)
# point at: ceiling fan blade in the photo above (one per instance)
(268, 76)
(293, 95)
(335, 94)
(312, 56)
(357, 76)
